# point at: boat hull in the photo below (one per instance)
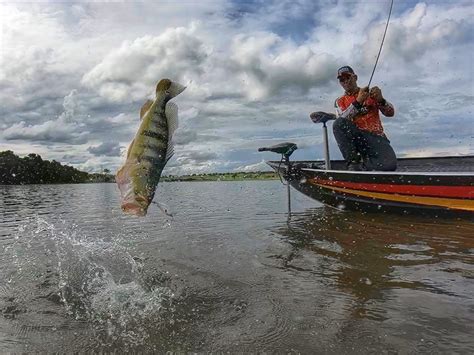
(420, 192)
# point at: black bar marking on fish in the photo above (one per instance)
(162, 123)
(155, 147)
(161, 120)
(153, 160)
(156, 135)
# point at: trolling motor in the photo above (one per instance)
(285, 149)
(323, 117)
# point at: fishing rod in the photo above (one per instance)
(381, 44)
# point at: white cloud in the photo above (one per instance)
(415, 34)
(63, 129)
(112, 149)
(261, 166)
(127, 73)
(268, 64)
(73, 76)
(51, 131)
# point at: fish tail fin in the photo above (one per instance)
(174, 89)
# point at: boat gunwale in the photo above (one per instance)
(303, 165)
(411, 173)
(363, 202)
(282, 166)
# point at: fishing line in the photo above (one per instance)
(164, 208)
(381, 44)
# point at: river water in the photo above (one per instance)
(227, 273)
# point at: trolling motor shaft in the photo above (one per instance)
(285, 149)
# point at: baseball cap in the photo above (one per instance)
(344, 70)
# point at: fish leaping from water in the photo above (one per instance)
(150, 150)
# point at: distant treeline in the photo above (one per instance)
(32, 169)
(236, 176)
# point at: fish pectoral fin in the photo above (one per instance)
(171, 113)
(146, 106)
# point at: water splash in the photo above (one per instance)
(55, 268)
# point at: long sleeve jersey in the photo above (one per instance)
(367, 117)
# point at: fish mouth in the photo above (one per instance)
(137, 206)
(133, 209)
(132, 202)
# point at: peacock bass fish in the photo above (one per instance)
(150, 150)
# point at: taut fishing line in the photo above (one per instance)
(381, 44)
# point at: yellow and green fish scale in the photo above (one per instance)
(150, 149)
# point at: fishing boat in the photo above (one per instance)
(428, 185)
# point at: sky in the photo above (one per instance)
(74, 75)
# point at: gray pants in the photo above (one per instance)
(356, 145)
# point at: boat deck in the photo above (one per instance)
(457, 164)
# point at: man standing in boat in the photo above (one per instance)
(358, 129)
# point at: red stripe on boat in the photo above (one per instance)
(418, 190)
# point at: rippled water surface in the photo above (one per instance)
(228, 273)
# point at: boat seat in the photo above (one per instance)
(285, 149)
(322, 117)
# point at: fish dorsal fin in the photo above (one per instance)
(171, 112)
(130, 148)
(146, 106)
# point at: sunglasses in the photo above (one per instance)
(344, 77)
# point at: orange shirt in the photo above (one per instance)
(368, 119)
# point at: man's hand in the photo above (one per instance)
(376, 94)
(363, 95)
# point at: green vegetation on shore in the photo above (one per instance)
(236, 176)
(32, 169)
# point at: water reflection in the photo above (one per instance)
(17, 203)
(369, 255)
(228, 274)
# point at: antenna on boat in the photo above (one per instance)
(285, 149)
(323, 117)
